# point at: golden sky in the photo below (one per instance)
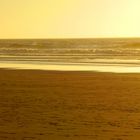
(69, 18)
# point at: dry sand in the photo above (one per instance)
(51, 105)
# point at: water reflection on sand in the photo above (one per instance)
(100, 67)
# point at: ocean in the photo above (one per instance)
(107, 55)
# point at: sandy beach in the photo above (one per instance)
(53, 105)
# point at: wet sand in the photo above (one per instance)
(52, 105)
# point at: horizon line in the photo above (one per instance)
(74, 38)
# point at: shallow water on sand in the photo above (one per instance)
(114, 68)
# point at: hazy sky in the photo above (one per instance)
(69, 18)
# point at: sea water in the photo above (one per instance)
(120, 55)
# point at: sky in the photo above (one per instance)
(69, 18)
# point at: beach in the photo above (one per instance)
(64, 105)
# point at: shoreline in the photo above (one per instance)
(72, 67)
